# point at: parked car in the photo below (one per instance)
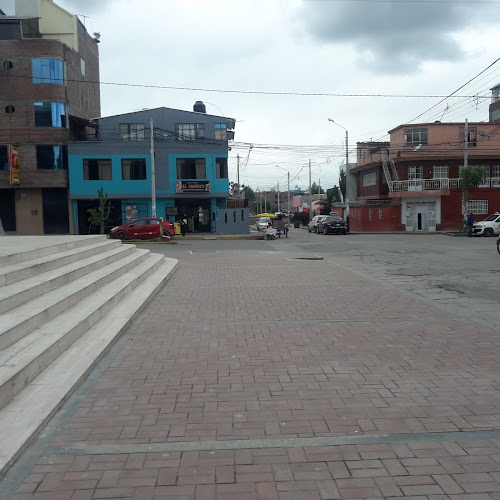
(143, 229)
(332, 224)
(487, 227)
(263, 223)
(313, 225)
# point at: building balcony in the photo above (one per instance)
(437, 184)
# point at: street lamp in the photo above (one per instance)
(346, 171)
(288, 188)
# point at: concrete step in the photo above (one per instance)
(23, 361)
(28, 412)
(21, 320)
(17, 271)
(28, 289)
(23, 248)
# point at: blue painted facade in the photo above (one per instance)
(126, 195)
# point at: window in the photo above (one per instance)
(415, 136)
(132, 131)
(97, 169)
(4, 159)
(495, 171)
(471, 136)
(415, 173)
(190, 131)
(220, 131)
(440, 171)
(370, 179)
(370, 214)
(495, 115)
(221, 168)
(8, 65)
(380, 213)
(477, 206)
(83, 69)
(50, 114)
(51, 157)
(134, 169)
(9, 109)
(48, 71)
(191, 168)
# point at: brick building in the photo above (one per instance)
(412, 182)
(49, 93)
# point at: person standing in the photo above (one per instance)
(470, 223)
(184, 225)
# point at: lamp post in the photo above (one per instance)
(288, 188)
(346, 172)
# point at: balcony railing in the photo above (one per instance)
(437, 184)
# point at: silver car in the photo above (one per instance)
(313, 225)
(263, 223)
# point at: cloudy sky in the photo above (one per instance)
(281, 68)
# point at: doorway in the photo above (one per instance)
(55, 211)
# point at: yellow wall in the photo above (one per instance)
(55, 22)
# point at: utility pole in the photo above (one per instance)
(310, 192)
(319, 186)
(347, 179)
(466, 162)
(278, 196)
(289, 209)
(265, 203)
(153, 175)
(238, 164)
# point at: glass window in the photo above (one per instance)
(51, 157)
(415, 136)
(220, 131)
(132, 131)
(4, 159)
(477, 206)
(50, 114)
(440, 171)
(495, 171)
(97, 169)
(415, 173)
(221, 168)
(134, 169)
(190, 131)
(191, 168)
(48, 71)
(370, 179)
(83, 68)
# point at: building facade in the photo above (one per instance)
(190, 167)
(412, 183)
(49, 92)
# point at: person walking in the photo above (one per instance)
(184, 225)
(470, 223)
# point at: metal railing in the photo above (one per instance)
(438, 184)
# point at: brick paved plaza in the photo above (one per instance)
(254, 375)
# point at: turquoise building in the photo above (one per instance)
(190, 167)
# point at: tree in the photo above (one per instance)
(315, 188)
(342, 182)
(99, 216)
(471, 178)
(333, 195)
(248, 193)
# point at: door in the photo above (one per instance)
(415, 178)
(55, 211)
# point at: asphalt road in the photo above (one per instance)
(460, 273)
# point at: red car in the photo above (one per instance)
(143, 229)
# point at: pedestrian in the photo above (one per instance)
(184, 225)
(470, 223)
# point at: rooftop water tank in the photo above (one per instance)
(199, 107)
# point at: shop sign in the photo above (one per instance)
(13, 164)
(192, 187)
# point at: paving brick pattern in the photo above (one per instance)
(243, 345)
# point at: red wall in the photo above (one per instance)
(359, 219)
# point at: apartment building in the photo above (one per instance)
(190, 152)
(49, 95)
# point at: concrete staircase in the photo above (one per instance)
(63, 301)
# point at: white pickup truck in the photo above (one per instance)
(487, 227)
